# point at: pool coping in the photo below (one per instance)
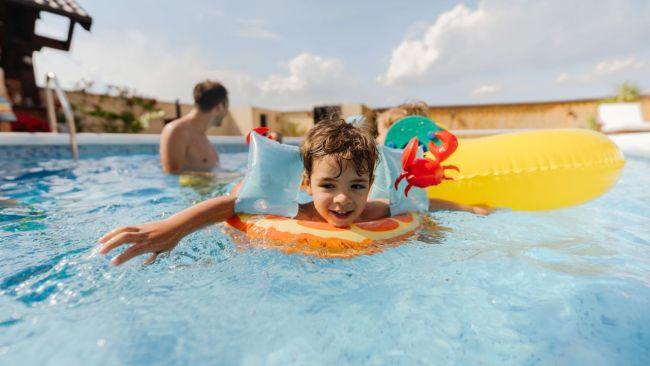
(633, 144)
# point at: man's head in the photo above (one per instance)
(212, 97)
(339, 161)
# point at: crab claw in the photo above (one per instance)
(409, 154)
(261, 130)
(448, 167)
(448, 146)
(408, 188)
(399, 179)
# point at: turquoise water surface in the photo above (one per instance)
(569, 287)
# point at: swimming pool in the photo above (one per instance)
(570, 286)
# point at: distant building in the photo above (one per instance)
(552, 114)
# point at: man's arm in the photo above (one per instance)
(173, 148)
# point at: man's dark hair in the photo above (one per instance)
(208, 94)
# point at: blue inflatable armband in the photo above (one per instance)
(387, 171)
(272, 179)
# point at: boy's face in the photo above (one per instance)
(338, 198)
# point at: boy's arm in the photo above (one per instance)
(437, 205)
(162, 236)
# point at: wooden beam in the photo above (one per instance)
(41, 41)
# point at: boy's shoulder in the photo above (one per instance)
(375, 210)
(307, 212)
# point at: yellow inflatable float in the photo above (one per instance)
(532, 170)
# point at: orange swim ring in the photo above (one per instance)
(319, 239)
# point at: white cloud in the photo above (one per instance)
(256, 29)
(606, 70)
(158, 69)
(305, 71)
(413, 58)
(500, 36)
(153, 67)
(618, 65)
(486, 90)
(562, 78)
(311, 79)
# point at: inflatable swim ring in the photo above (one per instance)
(532, 170)
(320, 239)
(529, 171)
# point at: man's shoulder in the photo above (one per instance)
(175, 128)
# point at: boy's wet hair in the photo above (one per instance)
(344, 142)
(209, 94)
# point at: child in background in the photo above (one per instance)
(388, 117)
(276, 136)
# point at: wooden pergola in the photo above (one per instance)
(18, 42)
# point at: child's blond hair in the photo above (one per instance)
(390, 116)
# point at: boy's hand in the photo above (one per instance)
(438, 204)
(482, 210)
(153, 237)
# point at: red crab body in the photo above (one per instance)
(425, 172)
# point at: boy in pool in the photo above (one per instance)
(339, 160)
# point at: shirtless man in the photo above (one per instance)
(184, 146)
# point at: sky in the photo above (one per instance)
(290, 54)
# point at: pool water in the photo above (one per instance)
(569, 287)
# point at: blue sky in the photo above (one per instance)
(295, 54)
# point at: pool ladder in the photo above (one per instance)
(51, 81)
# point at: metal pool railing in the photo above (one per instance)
(52, 81)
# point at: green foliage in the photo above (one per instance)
(625, 93)
(593, 124)
(119, 110)
(293, 129)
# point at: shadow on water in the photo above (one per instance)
(431, 232)
(40, 173)
(15, 216)
(40, 287)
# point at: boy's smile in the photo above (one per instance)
(340, 195)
